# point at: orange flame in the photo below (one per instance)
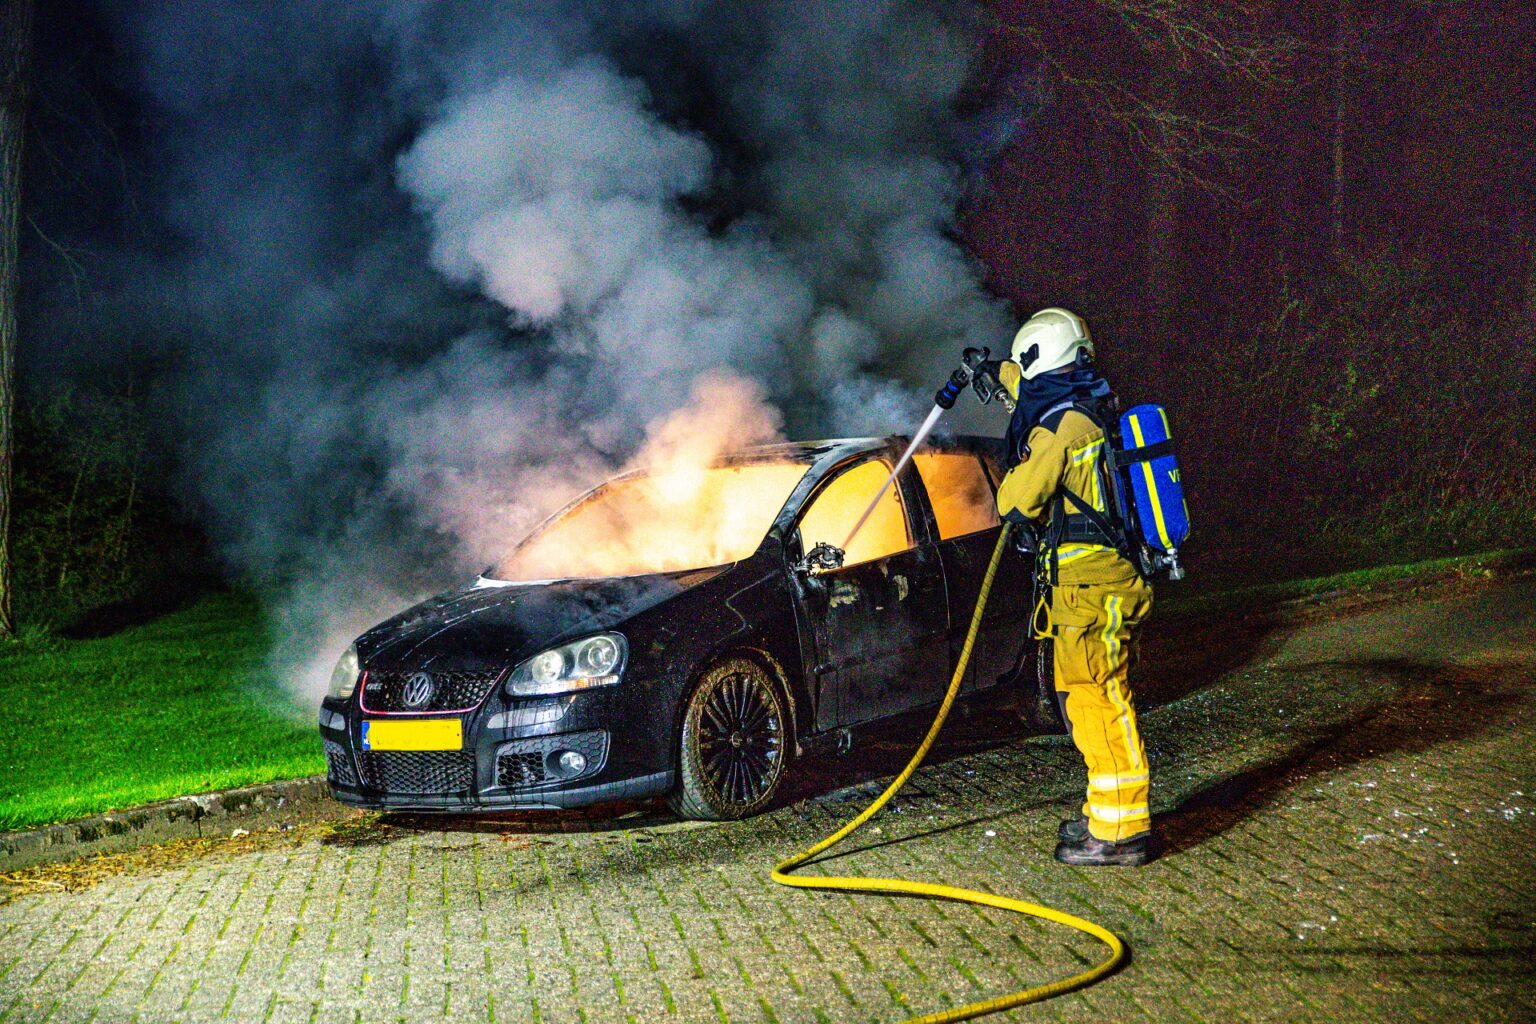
(679, 510)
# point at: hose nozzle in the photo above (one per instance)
(975, 370)
(945, 398)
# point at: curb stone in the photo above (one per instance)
(187, 817)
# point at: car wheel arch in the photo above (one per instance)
(764, 659)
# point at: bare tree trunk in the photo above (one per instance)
(1343, 41)
(1527, 324)
(15, 74)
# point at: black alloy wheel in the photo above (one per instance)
(733, 746)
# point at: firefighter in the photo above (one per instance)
(1097, 597)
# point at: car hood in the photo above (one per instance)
(490, 624)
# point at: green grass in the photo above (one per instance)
(1487, 563)
(184, 704)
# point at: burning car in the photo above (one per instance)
(684, 633)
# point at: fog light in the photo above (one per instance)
(571, 762)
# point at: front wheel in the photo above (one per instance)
(732, 752)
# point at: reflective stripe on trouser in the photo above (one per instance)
(1095, 631)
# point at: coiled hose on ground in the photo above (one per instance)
(782, 873)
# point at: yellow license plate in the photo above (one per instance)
(414, 734)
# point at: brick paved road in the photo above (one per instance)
(1348, 815)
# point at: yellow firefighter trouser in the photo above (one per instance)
(1095, 633)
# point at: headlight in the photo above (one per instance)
(547, 668)
(591, 661)
(344, 678)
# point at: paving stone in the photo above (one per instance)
(1366, 855)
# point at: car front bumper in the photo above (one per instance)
(510, 757)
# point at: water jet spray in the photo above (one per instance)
(975, 370)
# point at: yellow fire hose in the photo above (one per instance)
(781, 873)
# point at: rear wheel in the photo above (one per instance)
(733, 747)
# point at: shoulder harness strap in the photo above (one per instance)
(1087, 524)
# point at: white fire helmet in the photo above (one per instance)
(1050, 340)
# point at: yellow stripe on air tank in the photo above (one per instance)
(1146, 471)
(1168, 432)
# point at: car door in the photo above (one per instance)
(1006, 634)
(961, 494)
(877, 624)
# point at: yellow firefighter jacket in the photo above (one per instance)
(1070, 454)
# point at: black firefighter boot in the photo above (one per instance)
(1073, 830)
(1090, 852)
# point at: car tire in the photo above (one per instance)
(1045, 714)
(734, 744)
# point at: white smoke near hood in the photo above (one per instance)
(650, 194)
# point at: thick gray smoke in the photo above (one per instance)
(441, 265)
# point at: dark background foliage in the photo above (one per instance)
(1337, 301)
(1309, 230)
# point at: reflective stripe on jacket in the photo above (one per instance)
(1069, 454)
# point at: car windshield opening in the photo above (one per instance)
(666, 522)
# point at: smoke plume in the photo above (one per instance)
(437, 268)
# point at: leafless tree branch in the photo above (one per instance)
(1197, 148)
(76, 268)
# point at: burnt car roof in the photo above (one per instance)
(820, 456)
(817, 455)
(841, 447)
(825, 456)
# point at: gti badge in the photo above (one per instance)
(418, 691)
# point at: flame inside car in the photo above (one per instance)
(665, 520)
(682, 516)
(680, 504)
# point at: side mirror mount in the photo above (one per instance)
(822, 558)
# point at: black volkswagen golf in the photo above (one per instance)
(725, 635)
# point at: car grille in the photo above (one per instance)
(338, 764)
(514, 770)
(452, 691)
(418, 771)
(531, 762)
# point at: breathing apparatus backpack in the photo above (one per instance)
(1146, 518)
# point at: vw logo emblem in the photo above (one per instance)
(418, 691)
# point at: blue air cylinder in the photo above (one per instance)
(1157, 493)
